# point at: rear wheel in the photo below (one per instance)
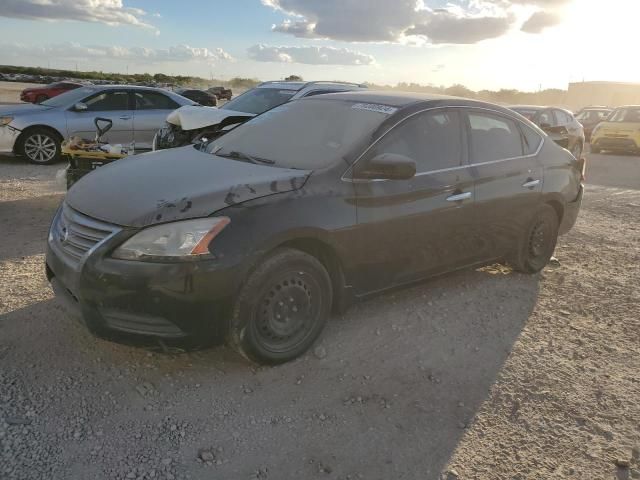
(282, 308)
(40, 146)
(538, 242)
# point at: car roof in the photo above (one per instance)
(397, 99)
(297, 86)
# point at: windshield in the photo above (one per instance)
(259, 100)
(625, 115)
(305, 134)
(69, 98)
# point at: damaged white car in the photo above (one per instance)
(192, 124)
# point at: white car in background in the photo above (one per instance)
(190, 124)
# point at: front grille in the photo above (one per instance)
(75, 234)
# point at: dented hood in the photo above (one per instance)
(175, 184)
(191, 117)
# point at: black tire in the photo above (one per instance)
(41, 98)
(40, 146)
(595, 149)
(281, 308)
(538, 242)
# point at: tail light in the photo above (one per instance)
(583, 168)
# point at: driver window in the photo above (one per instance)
(432, 139)
(108, 101)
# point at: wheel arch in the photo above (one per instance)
(328, 256)
(30, 128)
(558, 207)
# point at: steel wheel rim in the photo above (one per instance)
(40, 148)
(287, 312)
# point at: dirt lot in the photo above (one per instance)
(479, 374)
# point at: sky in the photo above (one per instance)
(482, 44)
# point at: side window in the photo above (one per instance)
(532, 139)
(493, 137)
(108, 101)
(546, 118)
(432, 139)
(563, 118)
(153, 101)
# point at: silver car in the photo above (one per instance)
(36, 131)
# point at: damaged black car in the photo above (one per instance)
(258, 235)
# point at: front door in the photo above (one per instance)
(152, 108)
(408, 229)
(508, 178)
(110, 104)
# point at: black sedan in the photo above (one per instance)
(199, 96)
(558, 123)
(258, 235)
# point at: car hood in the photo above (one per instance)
(191, 117)
(22, 108)
(175, 184)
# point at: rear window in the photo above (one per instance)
(532, 139)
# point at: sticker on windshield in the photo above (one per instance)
(374, 107)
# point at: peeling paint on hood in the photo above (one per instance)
(175, 184)
(191, 117)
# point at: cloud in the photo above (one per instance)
(110, 12)
(458, 22)
(310, 55)
(178, 53)
(541, 20)
(446, 27)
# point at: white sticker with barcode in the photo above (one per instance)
(375, 107)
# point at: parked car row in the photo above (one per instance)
(255, 236)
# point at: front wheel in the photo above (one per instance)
(282, 308)
(40, 146)
(538, 241)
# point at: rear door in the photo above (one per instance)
(411, 228)
(151, 110)
(111, 104)
(503, 153)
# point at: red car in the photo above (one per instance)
(40, 94)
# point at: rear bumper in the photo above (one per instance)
(571, 213)
(8, 137)
(168, 300)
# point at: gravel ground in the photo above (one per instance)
(475, 375)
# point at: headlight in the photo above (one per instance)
(186, 239)
(5, 121)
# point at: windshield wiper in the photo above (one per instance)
(243, 156)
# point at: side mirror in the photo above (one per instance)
(386, 166)
(80, 107)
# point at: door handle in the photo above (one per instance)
(125, 117)
(531, 183)
(458, 197)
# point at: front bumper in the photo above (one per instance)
(615, 143)
(167, 300)
(8, 137)
(571, 212)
